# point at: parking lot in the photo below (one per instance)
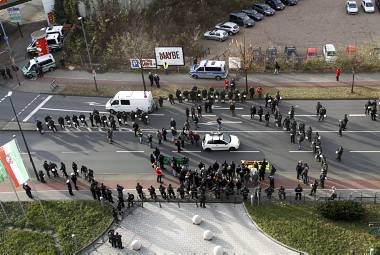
(309, 24)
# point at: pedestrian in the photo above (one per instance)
(314, 187)
(251, 92)
(69, 187)
(171, 99)
(159, 136)
(298, 191)
(118, 241)
(164, 134)
(260, 113)
(337, 73)
(178, 144)
(152, 192)
(47, 168)
(140, 135)
(75, 168)
(199, 109)
(39, 127)
(276, 68)
(281, 193)
(27, 189)
(339, 153)
(171, 191)
(9, 72)
(41, 175)
(159, 174)
(292, 136)
(202, 201)
(74, 180)
(340, 128)
(111, 237)
(267, 117)
(253, 111)
(150, 140)
(151, 78)
(157, 80)
(140, 192)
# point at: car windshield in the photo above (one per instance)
(227, 138)
(246, 19)
(369, 4)
(331, 53)
(352, 5)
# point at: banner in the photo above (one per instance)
(13, 164)
(172, 56)
(148, 63)
(3, 173)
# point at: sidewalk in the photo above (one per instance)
(183, 80)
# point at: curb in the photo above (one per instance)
(271, 238)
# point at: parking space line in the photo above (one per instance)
(37, 108)
(365, 151)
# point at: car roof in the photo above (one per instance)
(330, 47)
(217, 31)
(367, 1)
(215, 136)
(238, 13)
(210, 63)
(52, 36)
(351, 2)
(228, 23)
(52, 29)
(132, 94)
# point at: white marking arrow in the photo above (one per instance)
(94, 103)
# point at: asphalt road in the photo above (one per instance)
(128, 158)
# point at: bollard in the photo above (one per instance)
(252, 199)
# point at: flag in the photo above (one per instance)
(13, 164)
(3, 173)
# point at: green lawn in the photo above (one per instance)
(297, 225)
(85, 219)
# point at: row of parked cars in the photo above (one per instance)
(368, 6)
(246, 18)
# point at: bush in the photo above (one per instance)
(341, 210)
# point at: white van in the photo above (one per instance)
(54, 30)
(47, 63)
(54, 42)
(209, 69)
(128, 101)
(329, 53)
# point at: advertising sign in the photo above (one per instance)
(14, 14)
(148, 63)
(172, 56)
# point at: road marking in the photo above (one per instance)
(25, 153)
(365, 151)
(74, 152)
(37, 108)
(227, 108)
(23, 109)
(130, 151)
(223, 122)
(188, 151)
(94, 104)
(245, 151)
(209, 115)
(157, 114)
(67, 110)
(299, 151)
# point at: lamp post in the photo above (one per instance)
(9, 52)
(88, 51)
(9, 95)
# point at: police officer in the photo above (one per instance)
(309, 133)
(194, 192)
(340, 126)
(82, 118)
(53, 168)
(52, 125)
(63, 169)
(291, 112)
(314, 187)
(47, 168)
(91, 117)
(318, 107)
(41, 175)
(260, 113)
(69, 187)
(245, 192)
(161, 101)
(75, 121)
(152, 192)
(298, 191)
(75, 168)
(322, 113)
(345, 121)
(281, 193)
(267, 117)
(39, 127)
(292, 136)
(253, 111)
(339, 153)
(171, 191)
(61, 122)
(162, 190)
(202, 203)
(286, 123)
(251, 92)
(140, 192)
(74, 180)
(232, 108)
(120, 193)
(181, 191)
(171, 99)
(27, 189)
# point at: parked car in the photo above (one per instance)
(275, 4)
(46, 62)
(352, 7)
(290, 52)
(311, 53)
(216, 34)
(329, 53)
(253, 14)
(290, 2)
(230, 27)
(241, 19)
(54, 43)
(368, 6)
(264, 9)
(271, 54)
(220, 142)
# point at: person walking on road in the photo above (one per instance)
(276, 68)
(74, 179)
(298, 191)
(27, 189)
(314, 187)
(339, 153)
(159, 174)
(157, 80)
(337, 73)
(253, 112)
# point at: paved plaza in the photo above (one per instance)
(169, 230)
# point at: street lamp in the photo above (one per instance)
(9, 51)
(88, 52)
(9, 95)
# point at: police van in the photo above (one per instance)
(46, 62)
(213, 69)
(54, 30)
(54, 41)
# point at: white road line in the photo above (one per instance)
(208, 115)
(157, 114)
(245, 151)
(67, 110)
(130, 151)
(227, 108)
(356, 115)
(299, 151)
(26, 106)
(74, 152)
(25, 153)
(365, 151)
(188, 151)
(37, 108)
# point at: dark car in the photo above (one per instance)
(271, 54)
(275, 4)
(264, 9)
(253, 14)
(290, 52)
(241, 19)
(289, 2)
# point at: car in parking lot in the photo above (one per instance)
(220, 142)
(368, 6)
(275, 4)
(329, 53)
(290, 2)
(264, 9)
(230, 27)
(290, 52)
(241, 19)
(352, 7)
(253, 14)
(216, 34)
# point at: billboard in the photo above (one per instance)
(148, 63)
(4, 4)
(172, 56)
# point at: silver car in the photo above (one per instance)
(230, 27)
(216, 34)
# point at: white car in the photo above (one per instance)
(329, 53)
(368, 6)
(220, 142)
(216, 34)
(230, 27)
(352, 7)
